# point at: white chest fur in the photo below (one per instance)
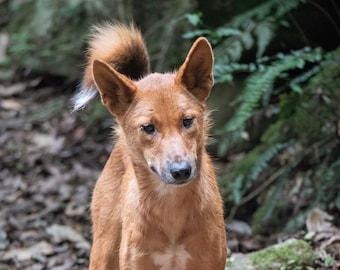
(173, 258)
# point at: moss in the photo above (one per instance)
(291, 255)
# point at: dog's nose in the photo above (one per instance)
(180, 171)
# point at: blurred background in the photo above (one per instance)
(276, 111)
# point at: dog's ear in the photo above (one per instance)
(116, 90)
(196, 73)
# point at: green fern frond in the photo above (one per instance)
(247, 171)
(237, 189)
(262, 82)
(227, 142)
(260, 86)
(263, 161)
(272, 8)
(240, 34)
(264, 32)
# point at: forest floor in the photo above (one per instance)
(50, 159)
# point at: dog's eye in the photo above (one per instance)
(187, 122)
(148, 129)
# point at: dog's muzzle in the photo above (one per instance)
(176, 173)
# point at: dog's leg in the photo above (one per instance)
(106, 219)
(106, 242)
(103, 255)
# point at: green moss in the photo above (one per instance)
(292, 255)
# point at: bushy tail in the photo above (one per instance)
(121, 46)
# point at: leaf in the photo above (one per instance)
(22, 254)
(12, 90)
(300, 63)
(194, 18)
(226, 32)
(296, 88)
(237, 189)
(309, 235)
(196, 33)
(62, 233)
(263, 160)
(247, 40)
(4, 41)
(319, 221)
(3, 240)
(262, 83)
(264, 33)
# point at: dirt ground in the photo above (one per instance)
(49, 161)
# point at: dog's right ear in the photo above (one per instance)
(116, 90)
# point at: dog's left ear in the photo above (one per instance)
(196, 73)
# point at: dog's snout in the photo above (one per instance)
(180, 171)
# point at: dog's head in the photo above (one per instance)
(162, 116)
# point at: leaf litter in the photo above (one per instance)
(48, 166)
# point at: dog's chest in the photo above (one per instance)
(174, 257)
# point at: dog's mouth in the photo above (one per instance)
(176, 173)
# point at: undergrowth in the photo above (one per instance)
(292, 97)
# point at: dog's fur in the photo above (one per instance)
(156, 204)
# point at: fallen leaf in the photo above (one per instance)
(318, 221)
(4, 40)
(7, 91)
(62, 233)
(10, 104)
(47, 141)
(22, 254)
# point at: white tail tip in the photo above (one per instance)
(83, 97)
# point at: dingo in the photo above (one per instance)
(156, 204)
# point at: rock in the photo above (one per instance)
(287, 255)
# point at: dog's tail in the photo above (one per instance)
(121, 46)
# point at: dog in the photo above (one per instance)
(156, 204)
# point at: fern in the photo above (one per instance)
(264, 32)
(262, 82)
(226, 142)
(256, 27)
(272, 8)
(329, 190)
(263, 161)
(286, 98)
(248, 171)
(266, 211)
(261, 85)
(237, 188)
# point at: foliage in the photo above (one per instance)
(51, 36)
(285, 118)
(48, 35)
(253, 28)
(260, 85)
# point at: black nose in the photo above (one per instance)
(180, 171)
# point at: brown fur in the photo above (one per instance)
(145, 216)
